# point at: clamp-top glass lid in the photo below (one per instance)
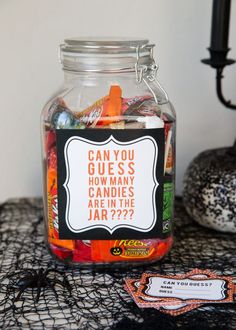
(102, 54)
(100, 45)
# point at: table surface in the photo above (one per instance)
(97, 299)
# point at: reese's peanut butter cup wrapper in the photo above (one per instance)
(128, 250)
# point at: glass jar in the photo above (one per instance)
(108, 156)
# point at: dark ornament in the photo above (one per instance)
(209, 194)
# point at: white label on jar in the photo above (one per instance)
(110, 184)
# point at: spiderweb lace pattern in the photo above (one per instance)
(97, 299)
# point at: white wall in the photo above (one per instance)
(30, 32)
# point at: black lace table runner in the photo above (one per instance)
(96, 299)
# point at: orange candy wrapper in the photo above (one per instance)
(53, 235)
(129, 250)
(112, 108)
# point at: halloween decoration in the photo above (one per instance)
(210, 189)
(39, 280)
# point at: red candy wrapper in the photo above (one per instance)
(61, 253)
(82, 251)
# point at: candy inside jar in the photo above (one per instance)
(99, 157)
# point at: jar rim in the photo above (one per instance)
(104, 54)
(98, 45)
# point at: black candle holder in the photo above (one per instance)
(219, 49)
(209, 182)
